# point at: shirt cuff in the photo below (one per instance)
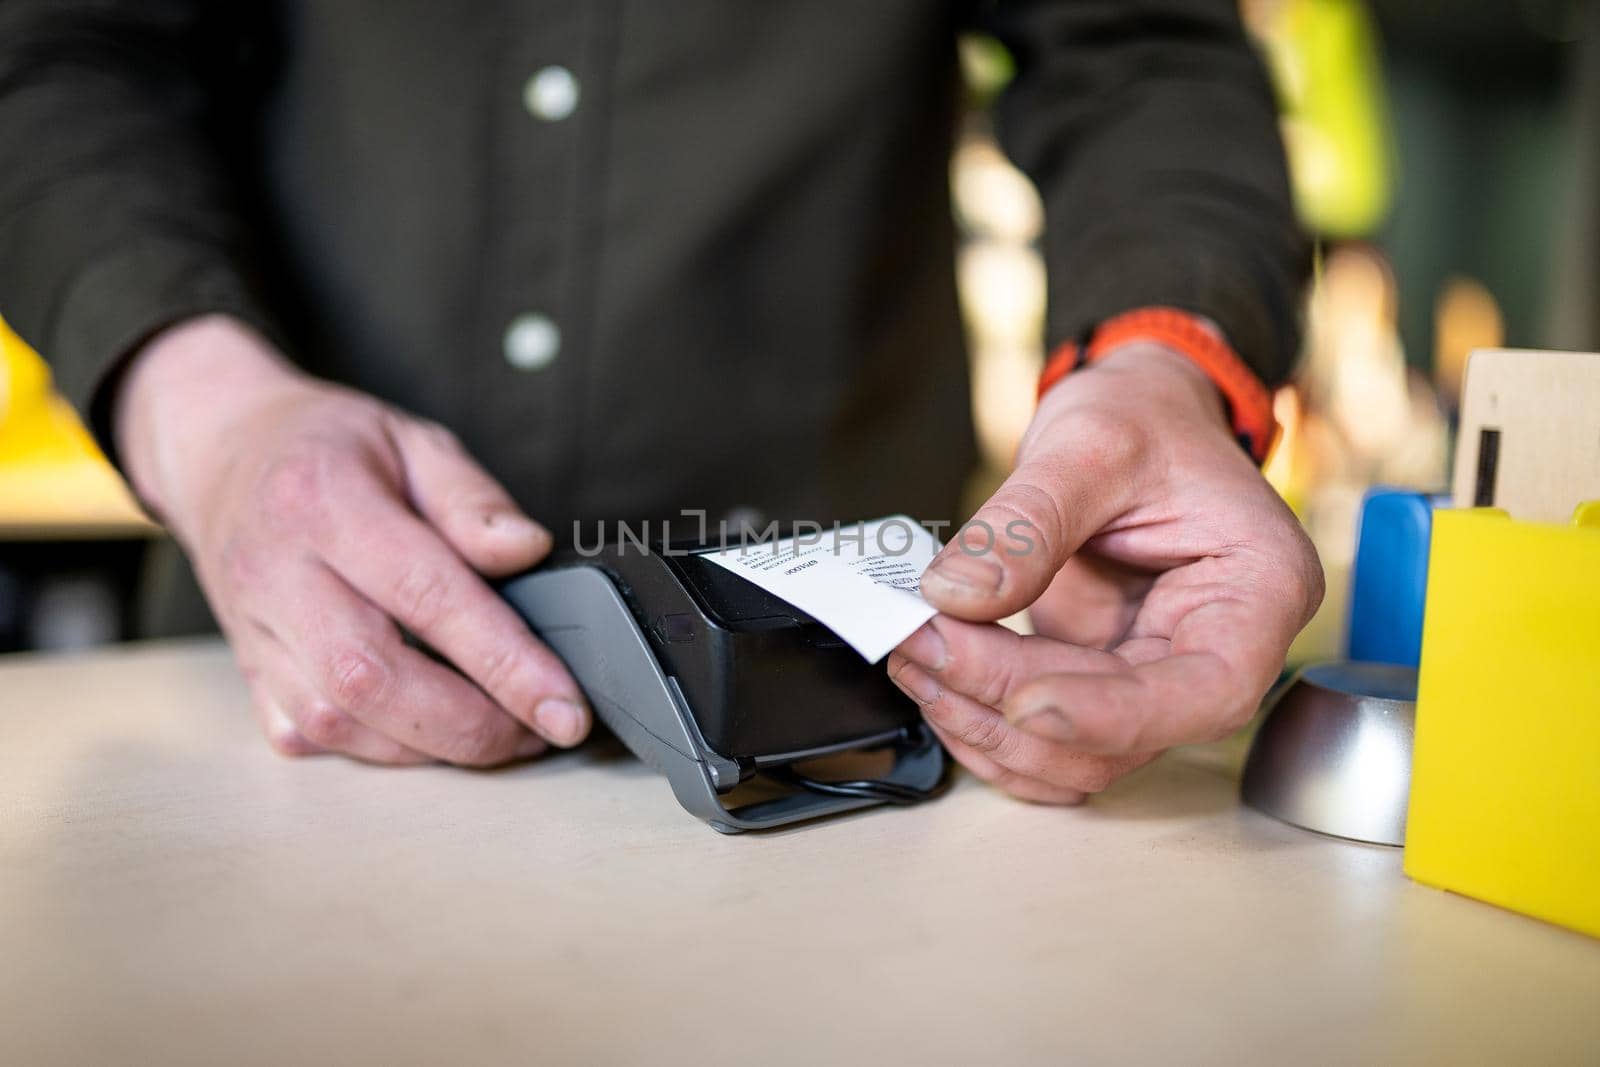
(122, 300)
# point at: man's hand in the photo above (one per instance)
(1165, 576)
(320, 521)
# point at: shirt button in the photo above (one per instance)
(551, 94)
(532, 341)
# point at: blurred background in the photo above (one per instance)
(1445, 154)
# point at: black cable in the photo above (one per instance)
(861, 789)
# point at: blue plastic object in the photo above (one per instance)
(1389, 583)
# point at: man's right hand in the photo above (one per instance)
(320, 521)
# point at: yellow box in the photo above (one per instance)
(1505, 783)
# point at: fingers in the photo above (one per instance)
(988, 662)
(987, 770)
(1223, 658)
(1206, 646)
(299, 720)
(356, 668)
(400, 564)
(1069, 484)
(1203, 682)
(339, 522)
(1092, 601)
(277, 727)
(1171, 701)
(475, 515)
(1024, 763)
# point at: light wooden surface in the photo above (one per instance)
(171, 892)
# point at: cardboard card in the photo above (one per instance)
(1530, 433)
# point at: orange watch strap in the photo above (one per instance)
(1248, 399)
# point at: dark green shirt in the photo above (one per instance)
(642, 256)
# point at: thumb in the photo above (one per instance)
(1073, 477)
(468, 507)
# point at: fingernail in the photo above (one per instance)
(1049, 722)
(917, 684)
(530, 745)
(559, 720)
(511, 522)
(926, 647)
(964, 575)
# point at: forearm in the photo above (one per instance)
(117, 215)
(1151, 131)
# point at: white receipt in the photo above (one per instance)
(859, 581)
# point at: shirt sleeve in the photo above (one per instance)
(1150, 128)
(118, 211)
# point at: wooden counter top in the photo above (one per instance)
(173, 892)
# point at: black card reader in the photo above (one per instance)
(712, 681)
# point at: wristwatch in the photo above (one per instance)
(1248, 400)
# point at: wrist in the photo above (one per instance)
(1166, 375)
(186, 386)
(1152, 384)
(1246, 400)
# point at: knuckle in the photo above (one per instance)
(438, 435)
(995, 680)
(285, 740)
(280, 731)
(1123, 733)
(323, 724)
(288, 743)
(1297, 573)
(355, 677)
(983, 733)
(1313, 582)
(985, 679)
(294, 485)
(421, 595)
(504, 675)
